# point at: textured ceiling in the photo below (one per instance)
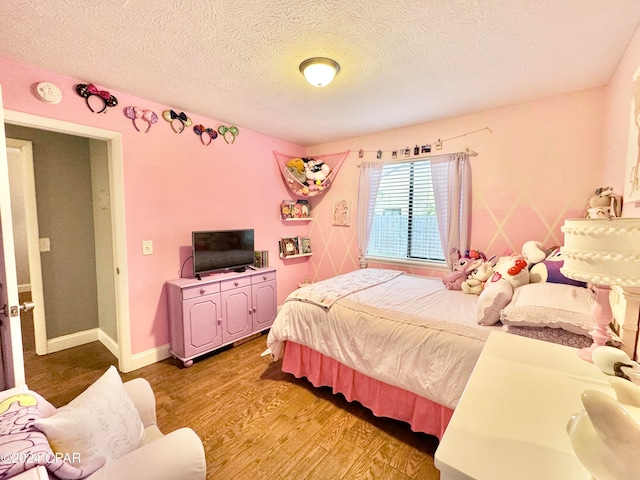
(403, 62)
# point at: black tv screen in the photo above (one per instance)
(220, 250)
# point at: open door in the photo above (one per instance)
(10, 331)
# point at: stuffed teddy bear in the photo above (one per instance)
(461, 267)
(475, 282)
(604, 204)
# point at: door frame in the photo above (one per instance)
(33, 247)
(116, 194)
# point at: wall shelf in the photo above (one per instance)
(296, 256)
(307, 219)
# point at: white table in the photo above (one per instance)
(511, 420)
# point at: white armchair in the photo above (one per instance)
(178, 455)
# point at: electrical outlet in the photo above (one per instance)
(147, 247)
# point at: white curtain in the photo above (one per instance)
(451, 177)
(368, 185)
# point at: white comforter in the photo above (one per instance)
(409, 331)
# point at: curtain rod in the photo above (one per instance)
(471, 153)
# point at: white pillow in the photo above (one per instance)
(554, 305)
(100, 422)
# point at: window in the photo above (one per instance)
(404, 224)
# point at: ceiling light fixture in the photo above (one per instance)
(319, 71)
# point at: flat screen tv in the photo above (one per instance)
(221, 250)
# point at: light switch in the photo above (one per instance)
(45, 244)
(147, 247)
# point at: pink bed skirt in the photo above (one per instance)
(382, 399)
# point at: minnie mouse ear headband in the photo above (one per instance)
(178, 121)
(135, 113)
(90, 90)
(200, 130)
(232, 131)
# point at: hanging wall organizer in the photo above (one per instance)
(309, 176)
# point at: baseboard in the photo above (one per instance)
(148, 357)
(109, 343)
(72, 340)
(138, 360)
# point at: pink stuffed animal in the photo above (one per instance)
(461, 268)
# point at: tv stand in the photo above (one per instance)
(207, 314)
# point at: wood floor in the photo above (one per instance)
(254, 420)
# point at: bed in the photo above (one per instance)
(403, 346)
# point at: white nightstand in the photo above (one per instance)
(511, 420)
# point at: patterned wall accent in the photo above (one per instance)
(537, 167)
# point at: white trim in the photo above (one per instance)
(149, 357)
(432, 265)
(109, 343)
(72, 340)
(24, 288)
(10, 331)
(116, 171)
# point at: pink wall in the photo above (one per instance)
(613, 151)
(537, 166)
(173, 185)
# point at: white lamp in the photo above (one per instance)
(603, 252)
(319, 71)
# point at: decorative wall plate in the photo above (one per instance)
(48, 92)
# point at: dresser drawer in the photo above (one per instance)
(263, 277)
(200, 290)
(235, 283)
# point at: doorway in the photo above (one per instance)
(108, 243)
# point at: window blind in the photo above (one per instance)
(405, 225)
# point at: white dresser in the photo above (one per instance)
(511, 420)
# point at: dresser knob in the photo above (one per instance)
(202, 291)
(264, 277)
(236, 283)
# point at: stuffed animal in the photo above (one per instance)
(475, 282)
(604, 204)
(295, 166)
(513, 269)
(461, 267)
(549, 270)
(316, 171)
(496, 295)
(533, 252)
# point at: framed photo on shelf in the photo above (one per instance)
(304, 244)
(286, 209)
(289, 246)
(303, 210)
